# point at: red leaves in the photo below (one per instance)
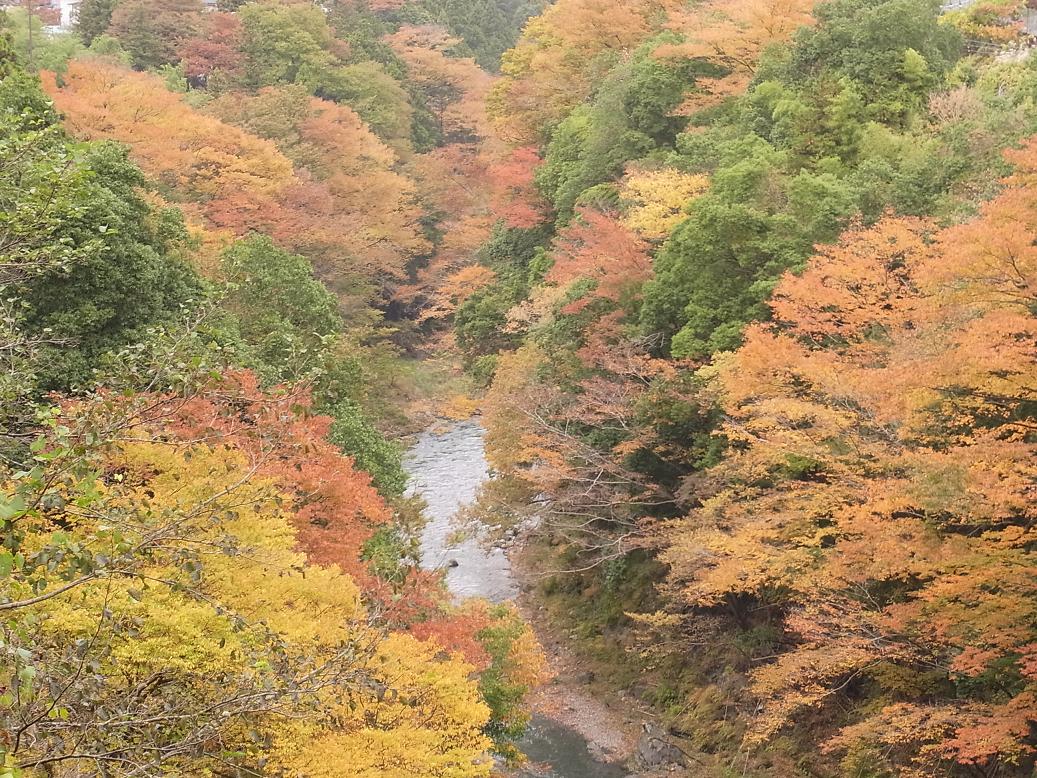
(216, 48)
(515, 197)
(334, 507)
(597, 247)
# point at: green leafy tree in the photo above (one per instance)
(93, 19)
(630, 117)
(287, 44)
(89, 262)
(288, 328)
(895, 51)
(286, 318)
(353, 432)
(36, 47)
(382, 102)
(488, 27)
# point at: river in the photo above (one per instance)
(447, 465)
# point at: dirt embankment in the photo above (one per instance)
(611, 724)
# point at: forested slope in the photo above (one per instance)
(208, 564)
(750, 288)
(765, 367)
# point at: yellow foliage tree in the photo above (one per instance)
(204, 641)
(657, 200)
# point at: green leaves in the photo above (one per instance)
(12, 507)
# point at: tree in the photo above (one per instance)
(196, 622)
(37, 47)
(657, 200)
(718, 267)
(287, 43)
(92, 263)
(453, 87)
(285, 316)
(213, 56)
(733, 34)
(94, 18)
(153, 31)
(348, 205)
(346, 209)
(552, 68)
(487, 28)
(998, 21)
(877, 486)
(894, 50)
(597, 247)
(378, 98)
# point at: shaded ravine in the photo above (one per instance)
(447, 465)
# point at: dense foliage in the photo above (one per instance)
(767, 356)
(207, 563)
(750, 285)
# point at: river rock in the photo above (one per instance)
(654, 750)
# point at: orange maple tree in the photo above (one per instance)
(329, 191)
(553, 67)
(879, 491)
(732, 34)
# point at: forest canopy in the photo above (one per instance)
(744, 295)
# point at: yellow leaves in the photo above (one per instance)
(551, 69)
(176, 635)
(383, 705)
(420, 716)
(510, 443)
(375, 753)
(265, 579)
(658, 200)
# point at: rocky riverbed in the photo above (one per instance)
(573, 734)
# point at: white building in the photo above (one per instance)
(69, 13)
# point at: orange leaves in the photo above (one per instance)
(997, 252)
(334, 507)
(351, 206)
(881, 484)
(859, 287)
(202, 158)
(597, 247)
(340, 203)
(455, 289)
(456, 87)
(732, 34)
(552, 68)
(515, 198)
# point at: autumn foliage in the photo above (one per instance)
(551, 70)
(318, 181)
(880, 490)
(732, 35)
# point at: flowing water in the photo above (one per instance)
(447, 466)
